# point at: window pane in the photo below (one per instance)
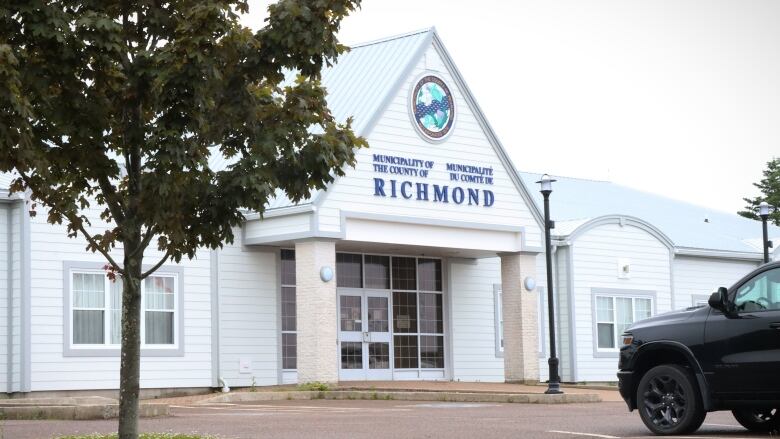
(289, 351)
(378, 272)
(288, 267)
(405, 350)
(88, 290)
(625, 310)
(404, 274)
(349, 270)
(158, 293)
(431, 313)
(642, 309)
(115, 318)
(606, 335)
(379, 356)
(377, 314)
(88, 327)
(604, 311)
(351, 313)
(351, 355)
(404, 312)
(159, 327)
(288, 309)
(432, 351)
(430, 274)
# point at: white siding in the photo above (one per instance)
(16, 290)
(248, 314)
(700, 277)
(274, 226)
(395, 135)
(562, 315)
(595, 257)
(51, 370)
(473, 320)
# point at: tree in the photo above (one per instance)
(117, 106)
(770, 192)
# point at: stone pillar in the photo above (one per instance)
(521, 341)
(316, 312)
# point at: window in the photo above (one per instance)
(761, 293)
(288, 312)
(498, 306)
(349, 270)
(95, 311)
(614, 314)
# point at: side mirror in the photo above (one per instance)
(720, 300)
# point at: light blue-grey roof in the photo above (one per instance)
(359, 84)
(575, 201)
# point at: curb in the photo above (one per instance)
(522, 398)
(77, 412)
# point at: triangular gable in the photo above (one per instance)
(471, 150)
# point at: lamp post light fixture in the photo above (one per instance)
(554, 382)
(763, 212)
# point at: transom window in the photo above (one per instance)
(614, 314)
(96, 310)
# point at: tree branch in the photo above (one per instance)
(76, 222)
(156, 266)
(144, 241)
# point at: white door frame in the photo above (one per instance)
(364, 336)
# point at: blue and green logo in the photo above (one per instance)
(433, 107)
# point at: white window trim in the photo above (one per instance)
(616, 293)
(113, 350)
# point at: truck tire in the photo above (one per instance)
(758, 420)
(669, 402)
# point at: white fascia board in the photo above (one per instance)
(282, 211)
(719, 254)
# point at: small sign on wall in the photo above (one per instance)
(244, 365)
(624, 268)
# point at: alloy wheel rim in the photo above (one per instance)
(665, 402)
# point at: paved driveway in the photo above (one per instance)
(385, 419)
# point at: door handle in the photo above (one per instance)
(775, 325)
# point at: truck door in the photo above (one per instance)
(744, 350)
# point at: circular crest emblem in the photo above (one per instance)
(432, 108)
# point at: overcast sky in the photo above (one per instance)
(676, 97)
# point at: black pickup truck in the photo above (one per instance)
(676, 367)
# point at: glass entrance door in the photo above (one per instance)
(364, 335)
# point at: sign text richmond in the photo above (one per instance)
(415, 168)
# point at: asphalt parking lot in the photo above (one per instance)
(386, 419)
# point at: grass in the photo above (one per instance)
(141, 436)
(314, 386)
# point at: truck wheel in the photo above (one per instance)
(758, 420)
(669, 401)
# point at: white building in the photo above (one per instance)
(432, 241)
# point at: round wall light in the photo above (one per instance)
(326, 274)
(529, 283)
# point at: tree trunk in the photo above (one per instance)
(130, 371)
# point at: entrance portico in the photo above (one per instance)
(390, 316)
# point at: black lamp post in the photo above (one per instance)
(763, 212)
(554, 383)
